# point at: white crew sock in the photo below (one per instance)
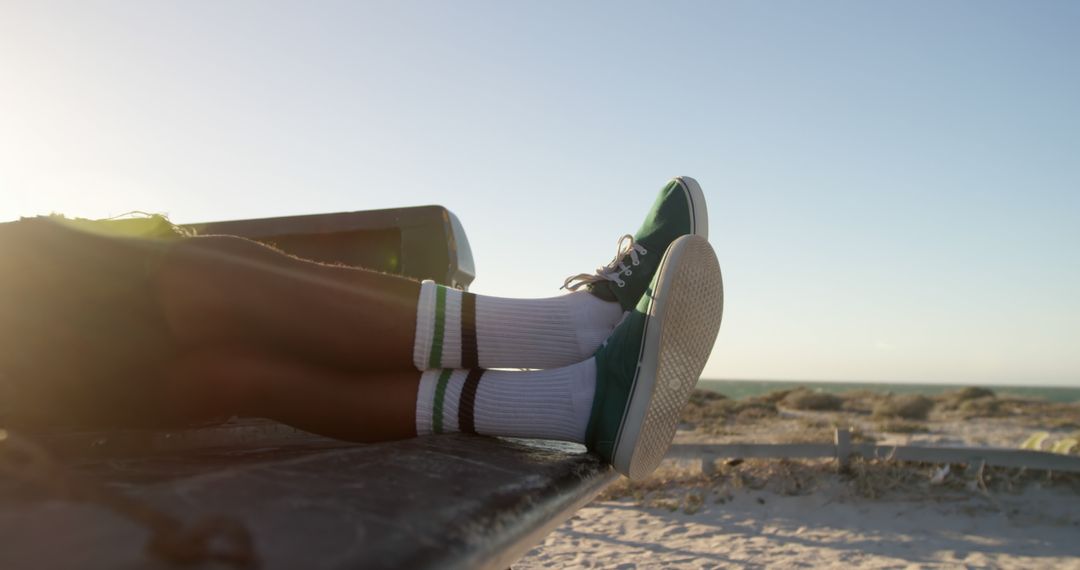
(455, 329)
(540, 404)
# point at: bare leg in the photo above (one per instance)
(372, 407)
(119, 312)
(88, 322)
(220, 289)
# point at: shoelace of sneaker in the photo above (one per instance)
(613, 271)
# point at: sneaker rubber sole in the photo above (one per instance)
(699, 217)
(684, 319)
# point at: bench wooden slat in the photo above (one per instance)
(450, 501)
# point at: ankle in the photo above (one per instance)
(594, 319)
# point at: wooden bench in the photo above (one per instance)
(451, 501)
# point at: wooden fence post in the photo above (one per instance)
(843, 448)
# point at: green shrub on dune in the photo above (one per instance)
(804, 399)
(775, 396)
(972, 400)
(986, 407)
(908, 407)
(971, 393)
(862, 401)
(711, 412)
(701, 397)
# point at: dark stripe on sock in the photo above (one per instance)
(467, 402)
(435, 359)
(440, 395)
(470, 358)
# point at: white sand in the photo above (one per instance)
(832, 527)
(1037, 529)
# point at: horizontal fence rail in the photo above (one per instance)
(842, 450)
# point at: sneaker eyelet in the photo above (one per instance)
(621, 284)
(628, 272)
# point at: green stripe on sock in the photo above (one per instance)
(440, 395)
(435, 360)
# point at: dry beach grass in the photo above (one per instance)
(763, 513)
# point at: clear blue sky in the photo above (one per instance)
(894, 188)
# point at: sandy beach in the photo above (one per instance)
(803, 514)
(827, 529)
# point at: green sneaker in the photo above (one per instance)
(679, 210)
(647, 368)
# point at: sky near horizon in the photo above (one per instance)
(893, 188)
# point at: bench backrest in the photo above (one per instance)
(422, 242)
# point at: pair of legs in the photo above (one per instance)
(335, 350)
(90, 324)
(233, 326)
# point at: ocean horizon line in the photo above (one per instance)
(988, 383)
(738, 389)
